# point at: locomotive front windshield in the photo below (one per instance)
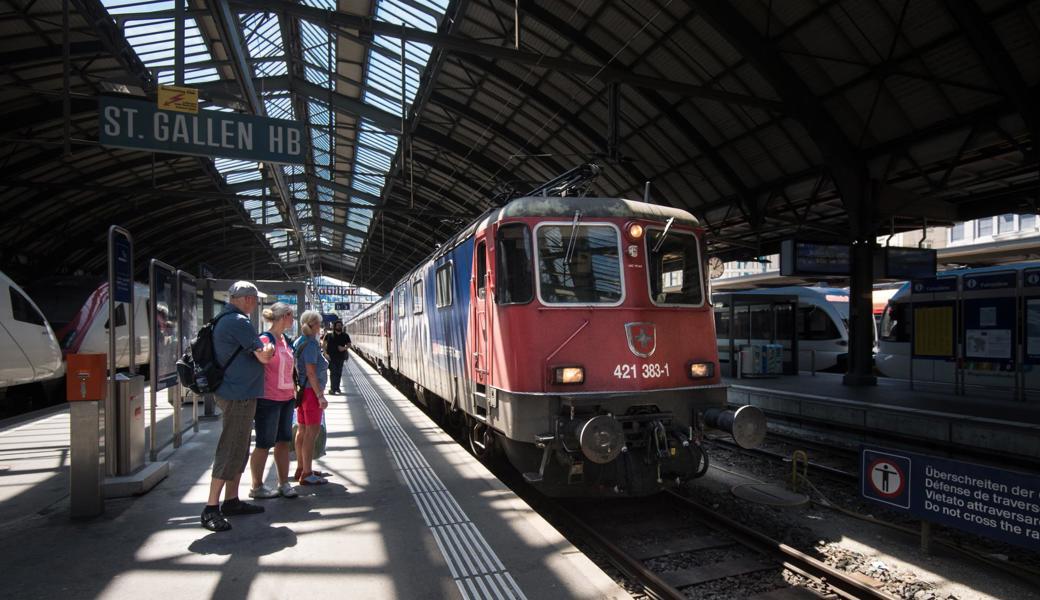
(674, 268)
(579, 264)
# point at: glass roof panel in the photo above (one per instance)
(153, 39)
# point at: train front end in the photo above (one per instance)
(610, 375)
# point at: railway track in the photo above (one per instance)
(673, 547)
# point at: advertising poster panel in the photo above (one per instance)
(934, 326)
(164, 325)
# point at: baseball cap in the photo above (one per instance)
(244, 288)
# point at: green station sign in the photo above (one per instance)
(140, 125)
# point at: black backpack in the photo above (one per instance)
(198, 369)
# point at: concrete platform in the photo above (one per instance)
(977, 421)
(407, 514)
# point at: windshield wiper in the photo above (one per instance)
(664, 233)
(570, 243)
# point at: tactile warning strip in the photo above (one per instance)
(474, 565)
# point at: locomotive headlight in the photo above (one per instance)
(569, 375)
(635, 231)
(700, 370)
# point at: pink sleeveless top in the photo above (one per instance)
(278, 374)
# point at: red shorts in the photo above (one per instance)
(310, 411)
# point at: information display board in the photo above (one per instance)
(1032, 316)
(994, 503)
(908, 263)
(934, 330)
(123, 268)
(798, 257)
(990, 281)
(989, 331)
(934, 285)
(164, 327)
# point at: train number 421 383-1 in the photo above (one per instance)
(646, 371)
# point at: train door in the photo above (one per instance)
(480, 302)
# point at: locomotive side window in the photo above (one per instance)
(417, 297)
(514, 282)
(445, 280)
(674, 268)
(895, 323)
(22, 310)
(481, 270)
(578, 264)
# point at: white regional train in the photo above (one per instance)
(29, 350)
(822, 324)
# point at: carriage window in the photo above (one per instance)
(579, 264)
(417, 297)
(445, 279)
(481, 270)
(400, 298)
(815, 324)
(514, 283)
(721, 321)
(23, 310)
(675, 269)
(761, 322)
(741, 323)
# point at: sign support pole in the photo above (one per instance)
(926, 537)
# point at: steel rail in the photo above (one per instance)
(634, 569)
(793, 559)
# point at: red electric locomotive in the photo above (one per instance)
(589, 356)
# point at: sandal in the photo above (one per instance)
(321, 474)
(215, 521)
(311, 479)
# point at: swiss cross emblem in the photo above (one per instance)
(642, 338)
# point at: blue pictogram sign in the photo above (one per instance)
(886, 478)
(987, 501)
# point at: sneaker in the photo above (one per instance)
(236, 507)
(263, 492)
(287, 490)
(312, 479)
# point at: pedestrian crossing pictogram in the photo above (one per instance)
(886, 478)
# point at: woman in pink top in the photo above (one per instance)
(274, 410)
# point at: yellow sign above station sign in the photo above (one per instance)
(180, 99)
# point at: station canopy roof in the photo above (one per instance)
(825, 119)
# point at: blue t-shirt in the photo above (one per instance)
(308, 352)
(244, 376)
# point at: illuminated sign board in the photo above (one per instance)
(799, 257)
(907, 263)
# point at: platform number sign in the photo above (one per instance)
(886, 478)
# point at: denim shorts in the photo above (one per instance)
(273, 422)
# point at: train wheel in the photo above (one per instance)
(482, 441)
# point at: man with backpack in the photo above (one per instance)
(242, 355)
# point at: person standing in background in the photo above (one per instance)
(336, 343)
(313, 368)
